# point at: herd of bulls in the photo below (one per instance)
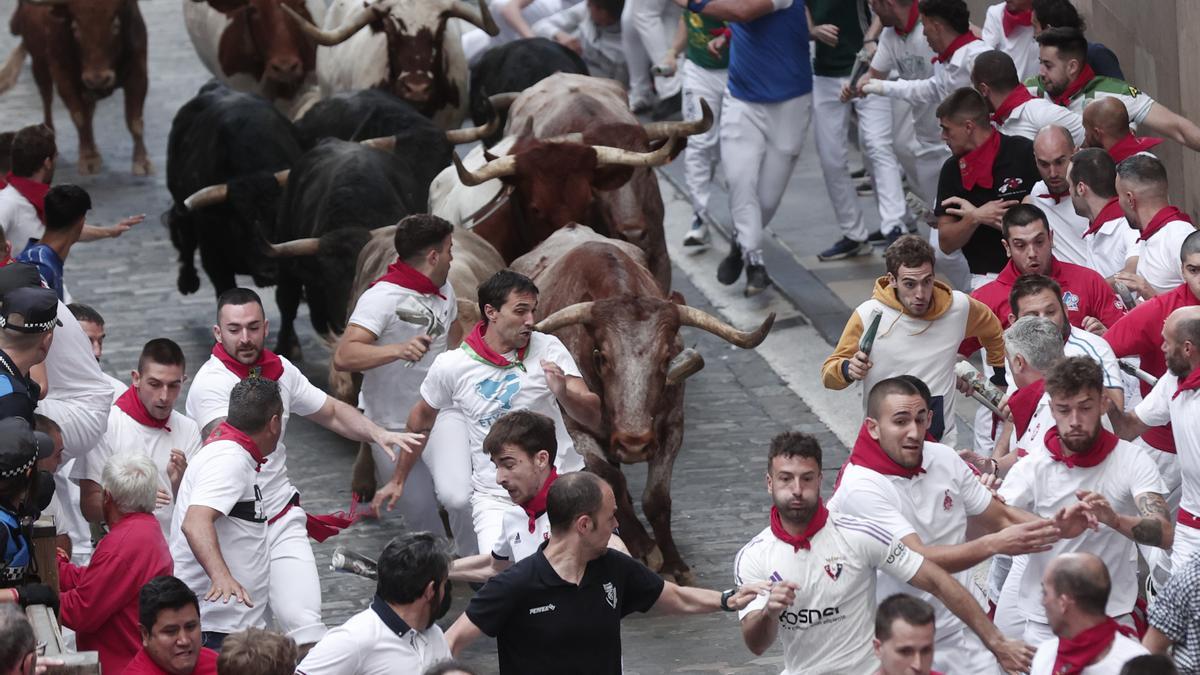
(323, 128)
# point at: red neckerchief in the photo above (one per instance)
(1165, 215)
(1012, 21)
(131, 405)
(1081, 80)
(1101, 448)
(1189, 383)
(959, 42)
(1014, 100)
(803, 540)
(1077, 653)
(868, 454)
(1056, 196)
(1110, 212)
(1023, 403)
(537, 506)
(7, 261)
(407, 276)
(914, 13)
(480, 349)
(268, 366)
(33, 191)
(1131, 145)
(975, 167)
(224, 432)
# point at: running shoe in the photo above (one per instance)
(731, 267)
(844, 248)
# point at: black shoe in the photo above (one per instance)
(865, 188)
(877, 239)
(885, 240)
(668, 108)
(757, 280)
(859, 174)
(844, 248)
(731, 267)
(892, 236)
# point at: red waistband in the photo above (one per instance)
(295, 501)
(1189, 519)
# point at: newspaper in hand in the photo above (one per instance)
(423, 316)
(867, 341)
(981, 389)
(345, 560)
(1126, 296)
(1140, 374)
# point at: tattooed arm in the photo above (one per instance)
(1152, 526)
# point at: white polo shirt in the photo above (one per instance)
(376, 641)
(1111, 246)
(126, 435)
(518, 542)
(908, 57)
(19, 219)
(933, 505)
(1027, 119)
(829, 628)
(1122, 650)
(485, 393)
(208, 400)
(1096, 348)
(394, 314)
(1068, 227)
(1161, 406)
(1041, 485)
(222, 477)
(1158, 261)
(1020, 45)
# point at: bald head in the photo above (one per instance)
(1184, 324)
(1054, 139)
(1083, 578)
(1052, 150)
(1106, 121)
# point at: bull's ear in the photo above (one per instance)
(225, 6)
(611, 177)
(677, 298)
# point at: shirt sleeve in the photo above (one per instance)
(491, 605)
(307, 399)
(1135, 334)
(1172, 610)
(867, 499)
(642, 586)
(206, 404)
(1139, 105)
(338, 653)
(1017, 488)
(917, 92)
(832, 375)
(1155, 409)
(1143, 473)
(991, 29)
(896, 559)
(747, 568)
(884, 61)
(221, 484)
(556, 352)
(91, 466)
(976, 498)
(502, 549)
(371, 312)
(436, 388)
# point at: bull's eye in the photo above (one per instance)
(598, 359)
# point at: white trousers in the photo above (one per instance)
(1008, 618)
(1186, 546)
(447, 458)
(487, 511)
(647, 29)
(418, 504)
(760, 143)
(875, 135)
(295, 589)
(703, 152)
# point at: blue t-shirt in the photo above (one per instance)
(48, 264)
(769, 60)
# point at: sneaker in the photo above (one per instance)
(757, 280)
(891, 237)
(697, 237)
(865, 188)
(844, 248)
(885, 240)
(859, 174)
(731, 267)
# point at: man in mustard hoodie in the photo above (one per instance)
(923, 323)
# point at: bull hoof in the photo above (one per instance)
(189, 281)
(89, 164)
(362, 476)
(143, 167)
(683, 577)
(653, 558)
(291, 350)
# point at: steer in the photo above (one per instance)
(87, 49)
(623, 331)
(513, 67)
(252, 46)
(412, 48)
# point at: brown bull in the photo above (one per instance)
(86, 49)
(623, 331)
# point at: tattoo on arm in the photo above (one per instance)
(1153, 509)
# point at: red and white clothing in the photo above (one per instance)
(934, 505)
(225, 477)
(951, 71)
(828, 629)
(126, 434)
(1012, 33)
(1023, 115)
(1122, 650)
(526, 527)
(1068, 227)
(1132, 145)
(1161, 240)
(142, 664)
(19, 218)
(1109, 241)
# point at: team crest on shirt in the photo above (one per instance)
(834, 570)
(610, 594)
(1071, 301)
(948, 502)
(1010, 185)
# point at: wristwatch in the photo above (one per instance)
(725, 596)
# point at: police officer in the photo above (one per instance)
(22, 488)
(28, 317)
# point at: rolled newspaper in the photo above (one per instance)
(981, 389)
(1126, 295)
(1137, 372)
(867, 341)
(345, 560)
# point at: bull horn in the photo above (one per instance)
(687, 363)
(503, 101)
(657, 130)
(330, 38)
(385, 143)
(606, 156)
(295, 248)
(481, 17)
(217, 194)
(497, 168)
(696, 318)
(580, 312)
(472, 134)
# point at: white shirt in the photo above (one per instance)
(829, 628)
(1041, 485)
(1123, 649)
(125, 435)
(1020, 45)
(601, 45)
(80, 394)
(367, 645)
(933, 505)
(1162, 406)
(485, 393)
(394, 314)
(1068, 227)
(1110, 246)
(19, 219)
(1137, 102)
(908, 58)
(219, 477)
(208, 400)
(1027, 119)
(1083, 343)
(1158, 261)
(517, 542)
(946, 78)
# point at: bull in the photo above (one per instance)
(513, 67)
(252, 46)
(601, 300)
(412, 48)
(86, 49)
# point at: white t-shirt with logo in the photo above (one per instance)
(517, 542)
(1158, 257)
(485, 393)
(829, 628)
(1041, 485)
(395, 314)
(1123, 650)
(125, 435)
(933, 505)
(908, 57)
(208, 400)
(221, 477)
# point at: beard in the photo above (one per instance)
(1178, 366)
(793, 514)
(1079, 444)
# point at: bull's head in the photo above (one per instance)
(262, 42)
(97, 27)
(634, 343)
(415, 32)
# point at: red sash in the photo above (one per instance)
(33, 191)
(1131, 145)
(913, 14)
(406, 276)
(1011, 21)
(480, 349)
(537, 506)
(1081, 80)
(225, 432)
(1079, 652)
(268, 365)
(959, 42)
(1189, 383)
(803, 540)
(1110, 212)
(1165, 215)
(1103, 446)
(1014, 100)
(975, 167)
(868, 454)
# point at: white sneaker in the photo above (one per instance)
(697, 238)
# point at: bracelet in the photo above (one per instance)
(725, 596)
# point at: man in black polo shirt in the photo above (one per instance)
(28, 317)
(988, 174)
(560, 610)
